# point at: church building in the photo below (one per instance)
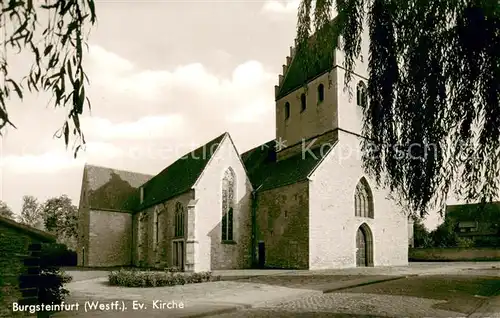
(301, 201)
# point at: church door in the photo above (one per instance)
(361, 259)
(178, 255)
(262, 255)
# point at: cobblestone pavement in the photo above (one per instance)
(338, 304)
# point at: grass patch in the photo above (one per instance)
(138, 278)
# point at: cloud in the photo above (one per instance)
(281, 7)
(148, 127)
(59, 160)
(249, 114)
(48, 162)
(188, 91)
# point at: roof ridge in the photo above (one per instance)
(120, 170)
(258, 146)
(179, 158)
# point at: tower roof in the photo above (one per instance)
(321, 61)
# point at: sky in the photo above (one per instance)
(165, 77)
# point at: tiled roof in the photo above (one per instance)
(490, 212)
(112, 189)
(266, 173)
(31, 231)
(323, 62)
(180, 176)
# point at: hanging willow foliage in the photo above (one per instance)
(432, 126)
(56, 44)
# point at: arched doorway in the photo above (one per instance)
(364, 246)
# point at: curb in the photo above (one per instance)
(218, 311)
(371, 282)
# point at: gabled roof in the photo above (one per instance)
(321, 62)
(30, 231)
(180, 176)
(490, 212)
(112, 189)
(266, 173)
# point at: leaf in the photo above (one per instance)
(70, 73)
(16, 88)
(66, 134)
(76, 151)
(21, 28)
(48, 49)
(92, 11)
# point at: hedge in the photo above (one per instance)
(137, 278)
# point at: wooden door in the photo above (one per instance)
(178, 255)
(361, 248)
(262, 255)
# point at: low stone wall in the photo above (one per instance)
(453, 254)
(16, 252)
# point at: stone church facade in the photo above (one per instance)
(302, 201)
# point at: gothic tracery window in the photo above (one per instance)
(179, 220)
(228, 189)
(361, 94)
(363, 200)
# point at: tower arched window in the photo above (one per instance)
(287, 110)
(228, 190)
(321, 93)
(302, 102)
(363, 200)
(361, 94)
(179, 220)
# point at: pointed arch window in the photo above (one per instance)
(321, 93)
(228, 189)
(363, 200)
(179, 220)
(287, 110)
(303, 102)
(361, 94)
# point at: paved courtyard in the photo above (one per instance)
(391, 292)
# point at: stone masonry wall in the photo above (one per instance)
(13, 244)
(282, 224)
(110, 239)
(333, 225)
(318, 117)
(148, 250)
(212, 252)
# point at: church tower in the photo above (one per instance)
(323, 109)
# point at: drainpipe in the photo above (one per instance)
(254, 226)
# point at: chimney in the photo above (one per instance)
(288, 60)
(280, 79)
(285, 68)
(276, 91)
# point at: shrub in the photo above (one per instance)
(465, 242)
(172, 269)
(134, 278)
(52, 279)
(56, 254)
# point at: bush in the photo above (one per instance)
(172, 269)
(134, 278)
(421, 236)
(56, 254)
(51, 280)
(464, 242)
(487, 241)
